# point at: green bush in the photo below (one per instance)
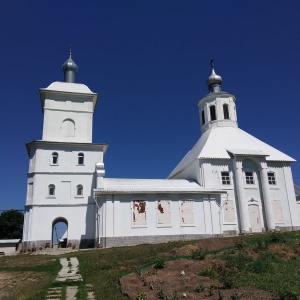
(199, 253)
(200, 288)
(141, 296)
(275, 238)
(159, 263)
(208, 272)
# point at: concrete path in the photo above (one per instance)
(69, 270)
(54, 293)
(70, 274)
(71, 292)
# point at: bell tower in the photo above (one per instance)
(217, 108)
(68, 108)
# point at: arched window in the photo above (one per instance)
(79, 190)
(212, 109)
(203, 117)
(68, 128)
(54, 158)
(51, 190)
(80, 160)
(226, 111)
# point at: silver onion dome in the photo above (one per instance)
(214, 81)
(70, 69)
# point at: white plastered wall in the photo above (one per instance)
(116, 215)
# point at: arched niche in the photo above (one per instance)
(68, 128)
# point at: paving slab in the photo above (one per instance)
(69, 271)
(71, 292)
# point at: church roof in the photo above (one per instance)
(219, 142)
(297, 190)
(127, 185)
(69, 87)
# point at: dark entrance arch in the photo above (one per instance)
(60, 233)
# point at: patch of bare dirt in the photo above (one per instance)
(170, 281)
(209, 244)
(181, 279)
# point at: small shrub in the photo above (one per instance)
(199, 253)
(208, 272)
(226, 277)
(220, 295)
(141, 296)
(161, 295)
(40, 248)
(261, 246)
(275, 238)
(200, 288)
(159, 263)
(211, 291)
(239, 244)
(175, 296)
(236, 296)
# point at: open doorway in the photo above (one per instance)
(60, 233)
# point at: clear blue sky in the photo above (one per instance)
(148, 60)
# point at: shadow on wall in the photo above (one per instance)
(88, 239)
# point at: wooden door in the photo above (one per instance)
(255, 218)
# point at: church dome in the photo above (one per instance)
(69, 65)
(70, 69)
(214, 79)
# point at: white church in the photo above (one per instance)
(229, 183)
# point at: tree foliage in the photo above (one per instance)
(11, 224)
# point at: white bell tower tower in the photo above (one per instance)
(63, 165)
(217, 109)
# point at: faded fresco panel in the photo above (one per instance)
(164, 212)
(229, 213)
(139, 217)
(277, 211)
(187, 212)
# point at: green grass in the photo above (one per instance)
(103, 267)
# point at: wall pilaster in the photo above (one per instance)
(242, 203)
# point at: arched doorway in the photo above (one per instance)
(60, 233)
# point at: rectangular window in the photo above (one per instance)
(187, 212)
(225, 178)
(163, 212)
(271, 178)
(249, 177)
(139, 217)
